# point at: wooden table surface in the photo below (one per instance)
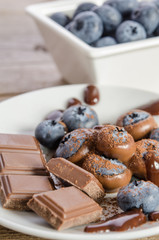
(25, 65)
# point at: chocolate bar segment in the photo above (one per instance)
(76, 176)
(14, 142)
(16, 190)
(65, 207)
(22, 163)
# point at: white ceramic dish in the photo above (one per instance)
(132, 64)
(22, 113)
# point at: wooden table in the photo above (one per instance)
(25, 65)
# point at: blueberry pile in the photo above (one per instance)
(116, 21)
(50, 132)
(58, 122)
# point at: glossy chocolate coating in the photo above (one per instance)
(99, 127)
(91, 95)
(115, 142)
(65, 207)
(137, 162)
(120, 222)
(111, 173)
(153, 216)
(139, 129)
(76, 144)
(152, 108)
(72, 102)
(152, 166)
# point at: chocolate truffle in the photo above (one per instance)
(110, 172)
(76, 144)
(137, 162)
(115, 142)
(137, 122)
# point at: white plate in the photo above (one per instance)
(22, 113)
(130, 64)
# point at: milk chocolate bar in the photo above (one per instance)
(76, 176)
(65, 207)
(18, 142)
(22, 163)
(16, 190)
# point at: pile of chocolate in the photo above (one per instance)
(88, 162)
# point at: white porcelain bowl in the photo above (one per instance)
(130, 64)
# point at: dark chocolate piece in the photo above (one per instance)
(120, 222)
(91, 95)
(65, 207)
(154, 216)
(152, 166)
(76, 176)
(16, 190)
(22, 163)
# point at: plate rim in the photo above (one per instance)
(64, 235)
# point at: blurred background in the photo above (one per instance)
(25, 63)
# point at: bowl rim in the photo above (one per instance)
(41, 13)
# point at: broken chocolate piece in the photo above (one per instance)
(65, 207)
(16, 190)
(76, 176)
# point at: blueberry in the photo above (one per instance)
(83, 7)
(54, 115)
(87, 26)
(129, 31)
(60, 18)
(120, 135)
(50, 132)
(104, 42)
(139, 194)
(123, 6)
(71, 143)
(117, 168)
(79, 117)
(110, 17)
(135, 117)
(155, 134)
(156, 2)
(146, 14)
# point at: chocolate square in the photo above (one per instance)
(18, 142)
(16, 190)
(65, 207)
(22, 163)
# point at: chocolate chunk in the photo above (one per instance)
(77, 176)
(65, 207)
(91, 95)
(154, 216)
(120, 222)
(22, 163)
(16, 190)
(17, 142)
